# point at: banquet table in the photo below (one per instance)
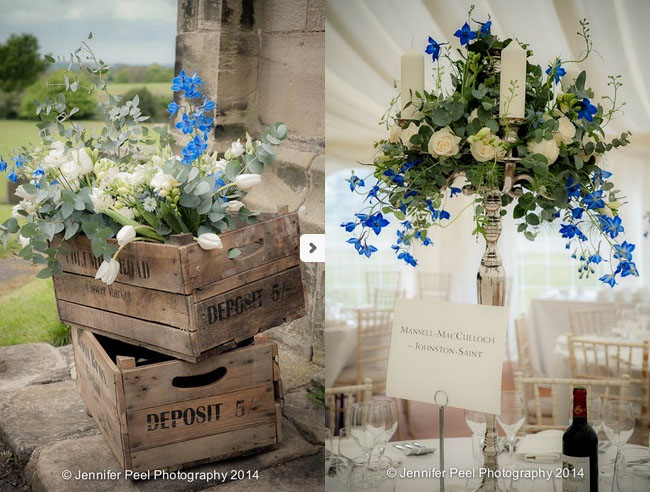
(458, 459)
(549, 318)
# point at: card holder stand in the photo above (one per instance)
(438, 397)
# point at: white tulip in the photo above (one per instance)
(162, 181)
(234, 206)
(247, 181)
(210, 240)
(108, 271)
(236, 149)
(126, 235)
(85, 163)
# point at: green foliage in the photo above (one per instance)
(153, 107)
(20, 63)
(50, 87)
(158, 73)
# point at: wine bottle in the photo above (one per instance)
(580, 449)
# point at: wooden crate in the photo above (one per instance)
(183, 301)
(157, 412)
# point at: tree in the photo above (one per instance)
(20, 63)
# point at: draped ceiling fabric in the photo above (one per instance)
(364, 42)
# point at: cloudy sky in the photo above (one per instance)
(124, 31)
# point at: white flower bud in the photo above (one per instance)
(210, 240)
(126, 235)
(247, 181)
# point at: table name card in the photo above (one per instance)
(456, 348)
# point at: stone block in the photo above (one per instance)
(316, 15)
(295, 476)
(92, 454)
(31, 363)
(295, 369)
(187, 20)
(292, 82)
(284, 15)
(307, 415)
(41, 415)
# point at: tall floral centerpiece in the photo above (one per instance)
(122, 183)
(507, 130)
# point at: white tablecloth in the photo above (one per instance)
(458, 455)
(547, 320)
(340, 346)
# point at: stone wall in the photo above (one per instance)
(263, 61)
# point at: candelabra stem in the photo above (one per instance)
(491, 283)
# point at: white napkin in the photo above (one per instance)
(542, 447)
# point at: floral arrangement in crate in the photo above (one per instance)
(123, 183)
(439, 136)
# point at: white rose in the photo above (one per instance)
(247, 181)
(444, 143)
(407, 133)
(565, 132)
(234, 206)
(209, 240)
(548, 148)
(70, 169)
(162, 181)
(108, 271)
(126, 235)
(483, 152)
(581, 153)
(85, 163)
(394, 133)
(473, 115)
(128, 212)
(100, 199)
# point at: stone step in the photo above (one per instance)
(33, 363)
(92, 454)
(39, 415)
(300, 475)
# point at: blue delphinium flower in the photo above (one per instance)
(408, 258)
(367, 249)
(3, 165)
(180, 82)
(433, 48)
(410, 193)
(594, 200)
(355, 182)
(407, 225)
(465, 34)
(186, 125)
(608, 279)
(395, 178)
(454, 191)
(209, 105)
(576, 213)
(611, 226)
(440, 215)
(626, 268)
(624, 250)
(13, 176)
(409, 165)
(219, 181)
(558, 72)
(572, 188)
(485, 27)
(570, 231)
(595, 259)
(586, 110)
(372, 193)
(402, 238)
(376, 222)
(348, 226)
(18, 160)
(172, 108)
(599, 176)
(356, 242)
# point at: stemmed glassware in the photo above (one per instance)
(372, 423)
(477, 423)
(618, 422)
(390, 425)
(512, 417)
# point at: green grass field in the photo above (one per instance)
(156, 88)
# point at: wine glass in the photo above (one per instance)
(477, 423)
(512, 417)
(595, 412)
(368, 424)
(371, 474)
(391, 419)
(618, 422)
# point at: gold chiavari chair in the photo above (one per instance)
(339, 399)
(593, 321)
(523, 346)
(592, 358)
(541, 417)
(387, 280)
(434, 285)
(385, 298)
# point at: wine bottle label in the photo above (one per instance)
(575, 473)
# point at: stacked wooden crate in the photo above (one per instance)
(166, 359)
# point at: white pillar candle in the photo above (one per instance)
(412, 81)
(513, 70)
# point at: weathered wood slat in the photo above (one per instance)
(184, 413)
(150, 386)
(136, 302)
(192, 419)
(229, 445)
(242, 313)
